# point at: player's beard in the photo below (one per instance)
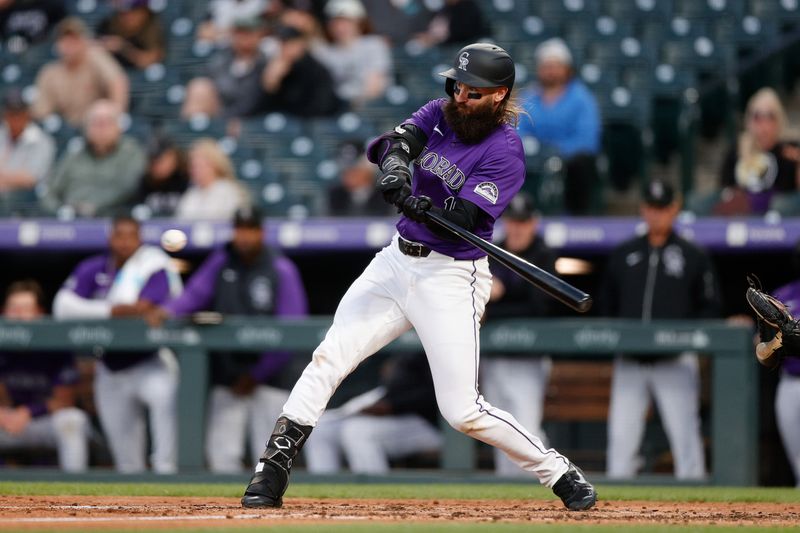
(471, 126)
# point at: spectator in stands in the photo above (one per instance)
(295, 82)
(360, 63)
(563, 115)
(27, 23)
(103, 174)
(232, 85)
(26, 154)
(355, 194)
(214, 193)
(37, 391)
(245, 277)
(165, 179)
(787, 407)
(394, 420)
(398, 21)
(223, 14)
(83, 74)
(126, 282)
(763, 168)
(659, 275)
(518, 383)
(133, 34)
(457, 22)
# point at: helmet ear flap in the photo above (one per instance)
(449, 86)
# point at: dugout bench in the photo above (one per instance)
(734, 394)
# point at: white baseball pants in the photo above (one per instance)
(67, 430)
(443, 299)
(122, 398)
(367, 442)
(675, 385)
(231, 418)
(519, 385)
(787, 413)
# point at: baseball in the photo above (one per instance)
(173, 240)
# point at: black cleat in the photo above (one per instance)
(573, 489)
(271, 477)
(266, 488)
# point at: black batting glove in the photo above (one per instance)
(416, 207)
(394, 185)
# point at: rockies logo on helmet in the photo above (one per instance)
(463, 61)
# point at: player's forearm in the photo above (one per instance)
(68, 305)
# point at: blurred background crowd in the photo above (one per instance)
(288, 92)
(240, 110)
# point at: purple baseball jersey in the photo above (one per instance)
(93, 278)
(30, 377)
(291, 301)
(488, 174)
(789, 294)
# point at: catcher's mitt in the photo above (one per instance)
(778, 331)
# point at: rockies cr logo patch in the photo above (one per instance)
(488, 190)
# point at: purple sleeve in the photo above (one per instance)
(292, 302)
(199, 290)
(291, 299)
(498, 177)
(82, 281)
(789, 294)
(428, 116)
(425, 118)
(156, 289)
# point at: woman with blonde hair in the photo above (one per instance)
(214, 193)
(764, 165)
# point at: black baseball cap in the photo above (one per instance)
(521, 207)
(349, 152)
(13, 101)
(658, 193)
(287, 33)
(248, 217)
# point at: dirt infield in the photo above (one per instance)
(81, 512)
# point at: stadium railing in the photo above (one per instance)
(734, 399)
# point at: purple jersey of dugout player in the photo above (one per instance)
(30, 377)
(789, 294)
(488, 174)
(290, 302)
(93, 278)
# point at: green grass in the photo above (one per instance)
(405, 491)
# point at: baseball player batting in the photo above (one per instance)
(468, 165)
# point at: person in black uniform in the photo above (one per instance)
(245, 277)
(659, 275)
(518, 383)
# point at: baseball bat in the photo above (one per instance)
(552, 285)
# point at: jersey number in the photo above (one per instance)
(449, 203)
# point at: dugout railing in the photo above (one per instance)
(734, 376)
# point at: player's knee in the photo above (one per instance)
(465, 419)
(356, 431)
(71, 421)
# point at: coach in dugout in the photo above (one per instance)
(245, 277)
(659, 275)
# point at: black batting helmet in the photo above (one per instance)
(481, 65)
